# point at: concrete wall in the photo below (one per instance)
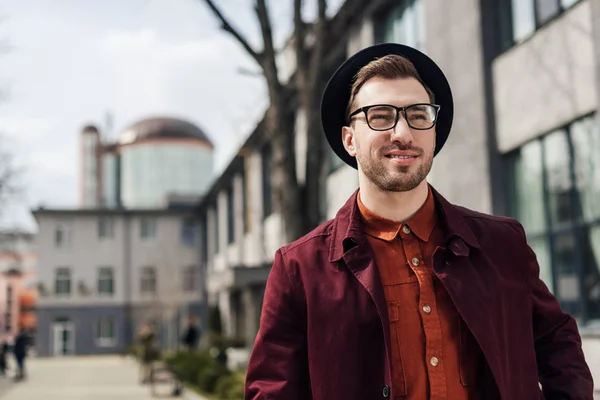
(84, 253)
(453, 40)
(546, 81)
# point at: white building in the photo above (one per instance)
(104, 272)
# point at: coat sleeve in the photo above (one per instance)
(278, 366)
(562, 369)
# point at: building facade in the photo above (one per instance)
(524, 143)
(102, 273)
(153, 159)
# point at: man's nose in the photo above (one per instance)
(402, 132)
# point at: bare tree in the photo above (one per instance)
(298, 201)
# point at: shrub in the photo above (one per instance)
(230, 387)
(210, 375)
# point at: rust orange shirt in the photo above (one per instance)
(434, 356)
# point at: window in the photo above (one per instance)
(188, 231)
(402, 24)
(546, 10)
(148, 281)
(105, 228)
(105, 281)
(523, 17)
(204, 246)
(148, 228)
(555, 182)
(267, 159)
(216, 223)
(189, 278)
(62, 282)
(105, 332)
(62, 235)
(230, 215)
(245, 213)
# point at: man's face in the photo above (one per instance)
(399, 159)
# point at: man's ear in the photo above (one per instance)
(348, 140)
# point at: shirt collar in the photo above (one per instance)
(421, 224)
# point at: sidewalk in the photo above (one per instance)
(83, 378)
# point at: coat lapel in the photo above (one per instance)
(350, 244)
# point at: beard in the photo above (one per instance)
(402, 178)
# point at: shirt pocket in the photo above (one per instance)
(399, 380)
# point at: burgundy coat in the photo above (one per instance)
(324, 328)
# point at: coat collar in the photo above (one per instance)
(348, 229)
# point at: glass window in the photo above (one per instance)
(267, 156)
(105, 281)
(591, 245)
(105, 228)
(148, 281)
(556, 147)
(546, 10)
(62, 282)
(568, 3)
(147, 228)
(585, 136)
(190, 278)
(246, 214)
(188, 231)
(404, 24)
(523, 19)
(230, 215)
(62, 235)
(530, 188)
(541, 248)
(105, 331)
(204, 247)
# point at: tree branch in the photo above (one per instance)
(227, 27)
(270, 64)
(300, 41)
(316, 61)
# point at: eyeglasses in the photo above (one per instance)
(382, 117)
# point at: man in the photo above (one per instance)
(192, 333)
(404, 295)
(20, 352)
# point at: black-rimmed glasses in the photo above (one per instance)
(382, 117)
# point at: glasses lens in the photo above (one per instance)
(381, 117)
(421, 116)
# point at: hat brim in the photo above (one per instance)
(337, 94)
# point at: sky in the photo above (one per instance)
(71, 62)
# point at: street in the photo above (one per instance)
(82, 378)
(116, 378)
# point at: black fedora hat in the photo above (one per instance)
(337, 93)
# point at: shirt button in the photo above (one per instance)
(434, 361)
(426, 309)
(406, 229)
(415, 262)
(386, 392)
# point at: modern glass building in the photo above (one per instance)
(154, 159)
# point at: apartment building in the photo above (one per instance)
(102, 273)
(524, 143)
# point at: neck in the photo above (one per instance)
(395, 206)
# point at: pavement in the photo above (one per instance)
(83, 378)
(116, 378)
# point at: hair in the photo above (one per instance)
(392, 66)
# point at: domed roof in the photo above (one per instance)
(168, 128)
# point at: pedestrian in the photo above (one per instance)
(192, 334)
(3, 352)
(403, 294)
(20, 352)
(149, 351)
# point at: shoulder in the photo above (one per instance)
(317, 238)
(487, 225)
